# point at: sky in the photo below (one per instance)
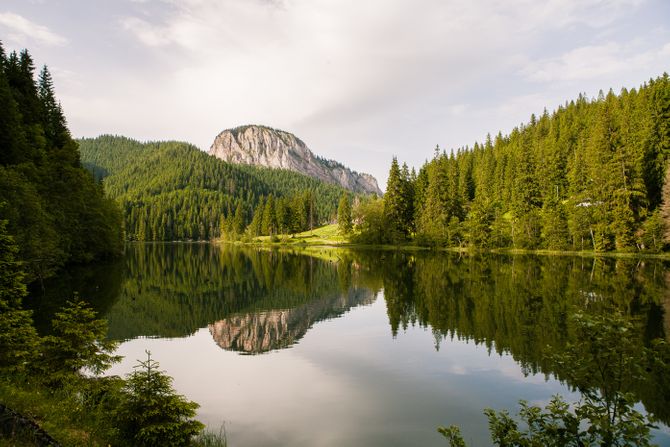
(359, 81)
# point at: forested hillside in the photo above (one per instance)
(589, 176)
(55, 211)
(174, 191)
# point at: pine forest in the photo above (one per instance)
(589, 176)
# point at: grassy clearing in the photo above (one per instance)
(326, 235)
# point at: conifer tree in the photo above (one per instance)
(344, 215)
(79, 340)
(269, 222)
(665, 205)
(396, 204)
(255, 228)
(53, 119)
(18, 338)
(152, 413)
(238, 219)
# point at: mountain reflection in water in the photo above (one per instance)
(258, 332)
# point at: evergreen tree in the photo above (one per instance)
(398, 204)
(665, 204)
(53, 119)
(238, 219)
(269, 222)
(79, 340)
(255, 228)
(151, 413)
(344, 215)
(18, 338)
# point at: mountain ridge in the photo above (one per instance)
(259, 145)
(170, 190)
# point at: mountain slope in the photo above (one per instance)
(174, 191)
(263, 146)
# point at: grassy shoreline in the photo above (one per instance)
(329, 237)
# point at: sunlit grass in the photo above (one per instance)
(326, 235)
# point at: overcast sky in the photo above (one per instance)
(358, 80)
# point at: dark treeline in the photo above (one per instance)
(173, 191)
(55, 210)
(588, 176)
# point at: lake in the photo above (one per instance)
(369, 348)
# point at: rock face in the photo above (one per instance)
(263, 146)
(256, 333)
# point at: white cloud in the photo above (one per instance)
(145, 32)
(22, 30)
(594, 61)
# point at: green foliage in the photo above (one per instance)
(75, 415)
(370, 222)
(344, 215)
(54, 386)
(18, 338)
(399, 203)
(55, 210)
(601, 358)
(453, 435)
(78, 342)
(151, 413)
(651, 235)
(269, 220)
(12, 286)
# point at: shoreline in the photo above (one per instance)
(463, 250)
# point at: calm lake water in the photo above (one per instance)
(360, 348)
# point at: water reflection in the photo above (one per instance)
(252, 301)
(262, 331)
(521, 305)
(255, 301)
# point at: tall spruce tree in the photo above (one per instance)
(18, 338)
(344, 215)
(397, 204)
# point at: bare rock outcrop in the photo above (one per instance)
(263, 146)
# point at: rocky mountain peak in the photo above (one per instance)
(264, 146)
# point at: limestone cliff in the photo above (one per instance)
(255, 333)
(263, 146)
